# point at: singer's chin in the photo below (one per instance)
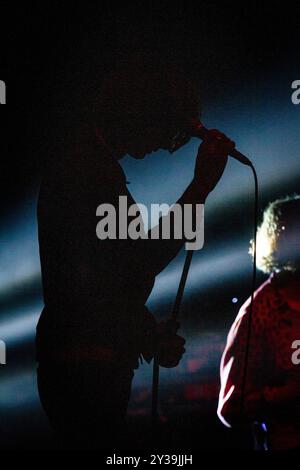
(138, 155)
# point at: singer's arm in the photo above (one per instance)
(155, 254)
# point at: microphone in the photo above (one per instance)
(198, 130)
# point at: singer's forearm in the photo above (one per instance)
(156, 252)
(195, 193)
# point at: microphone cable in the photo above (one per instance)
(180, 292)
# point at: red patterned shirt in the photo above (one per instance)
(272, 386)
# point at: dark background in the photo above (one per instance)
(48, 46)
(245, 57)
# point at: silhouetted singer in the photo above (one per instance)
(94, 325)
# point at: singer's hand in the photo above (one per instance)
(211, 160)
(171, 345)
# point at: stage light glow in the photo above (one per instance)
(206, 271)
(18, 390)
(19, 255)
(21, 326)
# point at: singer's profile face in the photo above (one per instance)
(153, 138)
(147, 144)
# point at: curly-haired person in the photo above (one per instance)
(271, 386)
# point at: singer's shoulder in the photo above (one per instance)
(80, 161)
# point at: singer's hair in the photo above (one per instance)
(140, 93)
(278, 236)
